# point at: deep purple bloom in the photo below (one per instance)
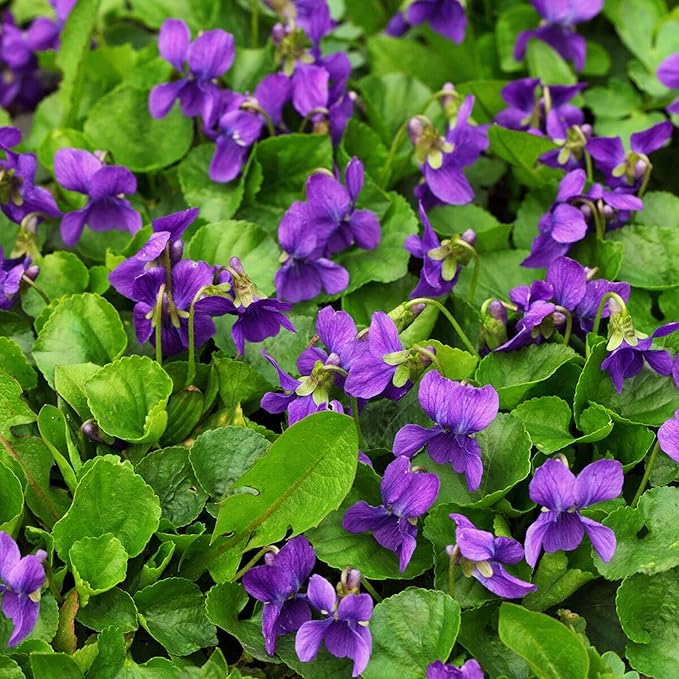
(165, 240)
(380, 365)
(530, 102)
(442, 261)
(446, 17)
(562, 495)
(397, 26)
(312, 16)
(459, 411)
(406, 495)
(557, 28)
(12, 272)
(628, 168)
(668, 74)
(200, 63)
(21, 580)
(305, 272)
(443, 159)
(585, 311)
(668, 437)
(439, 670)
(276, 584)
(19, 196)
(481, 556)
(82, 171)
(627, 360)
(344, 627)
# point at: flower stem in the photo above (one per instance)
(644, 183)
(254, 23)
(451, 320)
(357, 422)
(37, 288)
(600, 310)
(370, 589)
(647, 474)
(250, 564)
(475, 277)
(569, 324)
(588, 165)
(158, 319)
(423, 351)
(451, 577)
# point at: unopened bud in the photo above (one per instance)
(416, 127)
(640, 168)
(403, 315)
(278, 33)
(176, 251)
(469, 236)
(32, 272)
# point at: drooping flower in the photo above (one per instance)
(557, 28)
(277, 585)
(668, 74)
(459, 411)
(562, 495)
(12, 272)
(446, 17)
(439, 670)
(84, 172)
(312, 16)
(668, 437)
(21, 579)
(200, 63)
(481, 556)
(344, 627)
(380, 365)
(631, 168)
(407, 494)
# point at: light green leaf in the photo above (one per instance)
(114, 608)
(13, 409)
(11, 500)
(98, 564)
(13, 361)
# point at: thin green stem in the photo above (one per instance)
(309, 115)
(647, 474)
(254, 23)
(191, 369)
(250, 564)
(588, 165)
(569, 323)
(600, 309)
(644, 183)
(451, 320)
(370, 589)
(158, 320)
(37, 288)
(475, 277)
(423, 351)
(451, 577)
(357, 422)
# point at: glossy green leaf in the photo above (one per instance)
(13, 408)
(11, 500)
(14, 362)
(114, 608)
(98, 563)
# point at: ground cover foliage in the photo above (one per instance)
(339, 338)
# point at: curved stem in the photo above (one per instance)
(588, 165)
(308, 116)
(647, 474)
(644, 183)
(600, 309)
(254, 23)
(451, 577)
(191, 369)
(451, 320)
(370, 589)
(475, 277)
(569, 323)
(250, 564)
(423, 351)
(158, 320)
(357, 422)
(37, 288)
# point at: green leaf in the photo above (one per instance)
(128, 399)
(217, 201)
(9, 669)
(154, 568)
(239, 382)
(547, 420)
(219, 457)
(661, 208)
(411, 630)
(657, 550)
(457, 364)
(114, 608)
(120, 123)
(173, 612)
(69, 383)
(456, 219)
(217, 242)
(617, 100)
(55, 665)
(287, 161)
(555, 582)
(13, 361)
(340, 549)
(101, 504)
(325, 448)
(13, 409)
(61, 273)
(169, 473)
(98, 564)
(510, 23)
(649, 259)
(56, 434)
(545, 63)
(648, 608)
(514, 373)
(505, 452)
(11, 500)
(81, 329)
(551, 650)
(75, 41)
(389, 260)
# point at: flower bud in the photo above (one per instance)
(32, 272)
(403, 315)
(493, 324)
(469, 236)
(415, 129)
(176, 251)
(350, 582)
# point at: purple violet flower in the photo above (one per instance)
(344, 627)
(668, 74)
(12, 272)
(208, 58)
(557, 28)
(668, 437)
(397, 26)
(628, 169)
(84, 172)
(276, 584)
(407, 494)
(481, 556)
(439, 670)
(459, 411)
(21, 579)
(446, 17)
(562, 495)
(442, 261)
(626, 359)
